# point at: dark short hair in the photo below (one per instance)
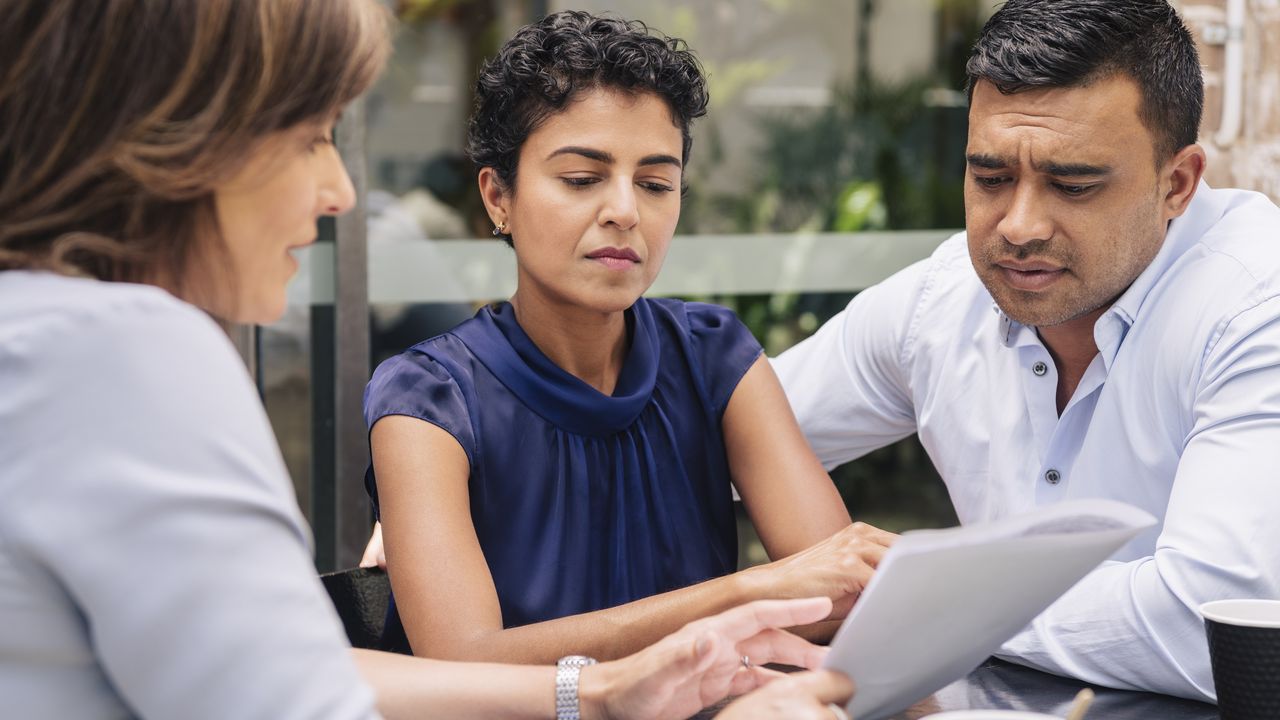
(1072, 43)
(549, 63)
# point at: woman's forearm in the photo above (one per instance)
(837, 568)
(409, 687)
(673, 678)
(610, 633)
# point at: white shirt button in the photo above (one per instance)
(1039, 369)
(1053, 477)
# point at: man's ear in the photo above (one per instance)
(1180, 178)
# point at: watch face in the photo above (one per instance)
(576, 661)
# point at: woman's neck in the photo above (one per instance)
(591, 345)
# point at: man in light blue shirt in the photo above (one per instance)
(1107, 326)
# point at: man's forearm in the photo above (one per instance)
(1120, 627)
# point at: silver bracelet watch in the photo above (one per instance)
(567, 671)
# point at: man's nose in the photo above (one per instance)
(1027, 218)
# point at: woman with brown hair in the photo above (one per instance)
(161, 161)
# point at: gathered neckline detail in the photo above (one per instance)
(497, 340)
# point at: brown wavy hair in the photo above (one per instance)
(118, 117)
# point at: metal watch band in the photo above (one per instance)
(567, 671)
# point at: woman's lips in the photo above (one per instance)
(615, 258)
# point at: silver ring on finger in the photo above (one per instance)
(838, 711)
(746, 662)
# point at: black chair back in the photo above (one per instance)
(361, 596)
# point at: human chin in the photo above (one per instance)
(265, 308)
(262, 296)
(613, 298)
(1035, 309)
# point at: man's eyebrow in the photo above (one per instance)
(1072, 169)
(588, 153)
(989, 162)
(660, 160)
(1057, 169)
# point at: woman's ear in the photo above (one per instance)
(495, 196)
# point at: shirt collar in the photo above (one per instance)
(1013, 334)
(1185, 232)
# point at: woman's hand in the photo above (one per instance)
(800, 696)
(838, 567)
(799, 515)
(374, 554)
(704, 662)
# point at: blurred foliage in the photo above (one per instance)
(812, 162)
(413, 12)
(881, 156)
(876, 159)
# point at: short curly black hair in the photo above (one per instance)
(548, 63)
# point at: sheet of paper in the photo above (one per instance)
(944, 600)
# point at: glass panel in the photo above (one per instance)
(828, 119)
(834, 129)
(287, 360)
(285, 379)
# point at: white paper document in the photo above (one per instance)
(942, 601)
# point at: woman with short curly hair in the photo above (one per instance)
(556, 474)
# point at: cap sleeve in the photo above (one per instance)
(414, 384)
(723, 348)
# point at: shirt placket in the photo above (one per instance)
(1058, 438)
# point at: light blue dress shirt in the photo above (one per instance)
(1178, 414)
(153, 560)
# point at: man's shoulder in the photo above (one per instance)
(1233, 262)
(951, 266)
(946, 287)
(1225, 274)
(927, 308)
(1245, 228)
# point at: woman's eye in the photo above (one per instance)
(580, 181)
(657, 187)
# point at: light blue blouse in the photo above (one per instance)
(153, 561)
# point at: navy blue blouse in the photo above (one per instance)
(583, 501)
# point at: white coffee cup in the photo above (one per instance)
(1243, 613)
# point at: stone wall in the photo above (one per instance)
(1252, 159)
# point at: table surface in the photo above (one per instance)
(1000, 685)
